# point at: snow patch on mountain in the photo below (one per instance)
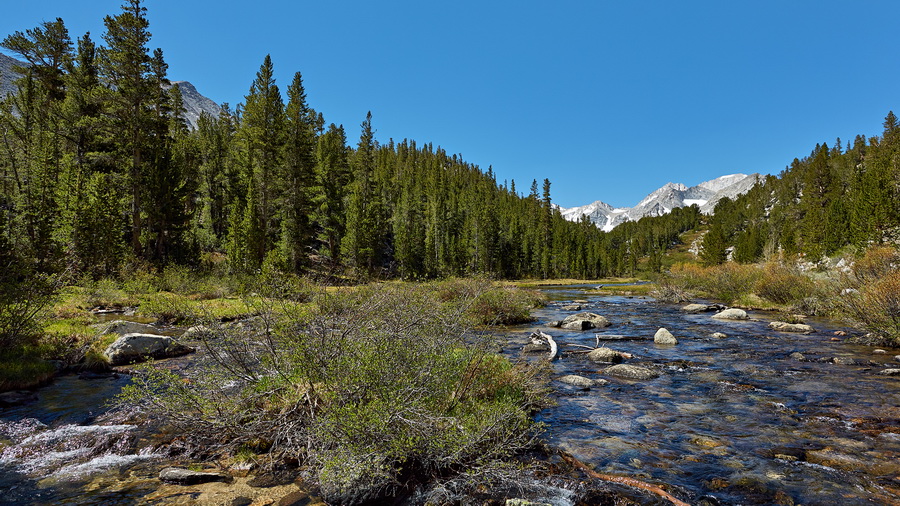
(671, 196)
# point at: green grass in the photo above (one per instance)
(23, 370)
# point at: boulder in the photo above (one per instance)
(123, 327)
(896, 358)
(577, 325)
(663, 336)
(572, 307)
(581, 381)
(182, 476)
(799, 357)
(197, 332)
(577, 321)
(718, 335)
(889, 372)
(731, 314)
(698, 308)
(605, 356)
(634, 372)
(879, 351)
(132, 348)
(790, 327)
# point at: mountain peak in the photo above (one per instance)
(664, 199)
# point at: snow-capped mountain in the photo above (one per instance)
(194, 102)
(663, 200)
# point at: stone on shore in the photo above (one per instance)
(132, 348)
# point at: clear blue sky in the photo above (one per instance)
(610, 100)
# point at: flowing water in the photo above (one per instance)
(734, 420)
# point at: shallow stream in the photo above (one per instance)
(734, 420)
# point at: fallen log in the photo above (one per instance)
(622, 480)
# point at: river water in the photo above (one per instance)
(734, 420)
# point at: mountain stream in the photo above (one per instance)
(743, 419)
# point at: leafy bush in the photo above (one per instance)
(384, 380)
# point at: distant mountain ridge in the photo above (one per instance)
(663, 200)
(194, 103)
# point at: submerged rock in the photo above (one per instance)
(718, 335)
(790, 327)
(581, 381)
(732, 314)
(605, 356)
(634, 372)
(536, 348)
(663, 336)
(572, 307)
(889, 372)
(698, 308)
(132, 348)
(799, 357)
(16, 398)
(181, 476)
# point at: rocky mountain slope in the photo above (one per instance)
(663, 200)
(194, 102)
(6, 74)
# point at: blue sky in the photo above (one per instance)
(609, 100)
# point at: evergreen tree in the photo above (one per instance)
(300, 165)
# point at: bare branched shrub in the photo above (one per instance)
(374, 382)
(784, 284)
(876, 305)
(669, 290)
(876, 263)
(727, 282)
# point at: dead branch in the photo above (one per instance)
(623, 480)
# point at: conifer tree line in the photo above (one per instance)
(838, 196)
(99, 169)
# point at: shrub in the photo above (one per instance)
(169, 308)
(727, 282)
(876, 306)
(384, 380)
(783, 284)
(875, 264)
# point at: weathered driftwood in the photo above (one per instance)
(623, 480)
(554, 349)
